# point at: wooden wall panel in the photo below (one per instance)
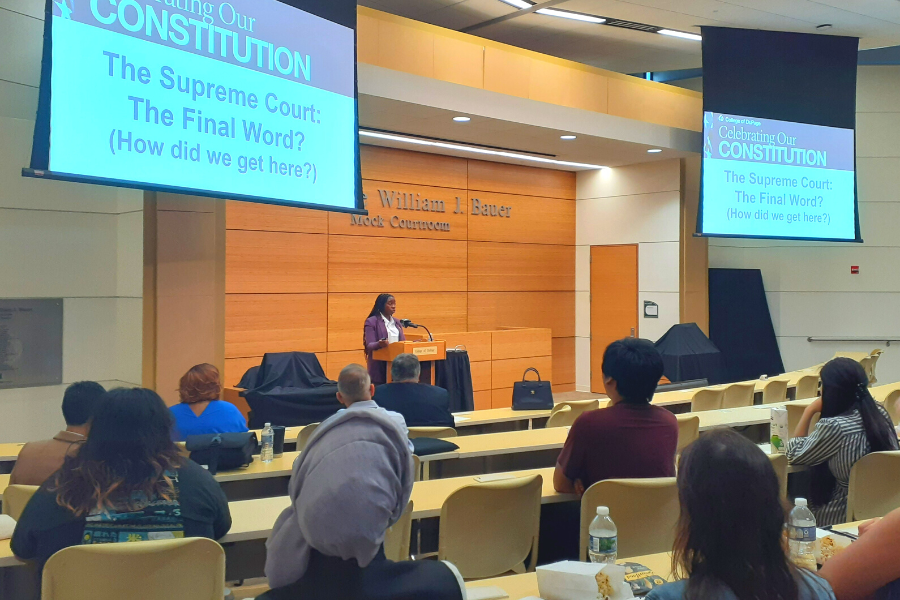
(405, 166)
(501, 398)
(506, 71)
(633, 99)
(335, 361)
(563, 361)
(370, 264)
(481, 375)
(512, 343)
(515, 179)
(236, 367)
(261, 262)
(459, 61)
(390, 206)
(482, 400)
(532, 219)
(439, 311)
(503, 267)
(504, 373)
(553, 310)
(271, 217)
(260, 323)
(476, 343)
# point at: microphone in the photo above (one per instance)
(406, 323)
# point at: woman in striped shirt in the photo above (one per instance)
(852, 425)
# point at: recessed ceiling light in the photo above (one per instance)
(824, 26)
(462, 119)
(565, 14)
(680, 34)
(654, 150)
(519, 3)
(475, 150)
(567, 137)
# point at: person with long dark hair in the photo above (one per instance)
(379, 330)
(728, 542)
(852, 424)
(126, 483)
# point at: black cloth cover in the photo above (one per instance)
(290, 389)
(455, 375)
(740, 324)
(248, 381)
(688, 354)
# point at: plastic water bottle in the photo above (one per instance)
(802, 535)
(268, 444)
(603, 540)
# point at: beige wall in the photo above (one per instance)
(78, 242)
(637, 204)
(809, 286)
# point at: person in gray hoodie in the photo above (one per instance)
(350, 484)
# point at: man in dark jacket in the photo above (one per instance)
(422, 405)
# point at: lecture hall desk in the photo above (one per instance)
(525, 585)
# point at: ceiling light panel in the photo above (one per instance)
(565, 14)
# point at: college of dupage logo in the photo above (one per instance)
(64, 8)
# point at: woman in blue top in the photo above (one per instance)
(200, 410)
(728, 541)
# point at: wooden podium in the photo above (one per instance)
(427, 352)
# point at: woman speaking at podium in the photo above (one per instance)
(381, 329)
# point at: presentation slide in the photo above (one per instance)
(768, 178)
(244, 98)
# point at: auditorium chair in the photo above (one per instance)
(489, 529)
(795, 411)
(577, 406)
(305, 434)
(891, 405)
(431, 432)
(707, 399)
(562, 417)
(688, 431)
(874, 489)
(396, 538)
(738, 395)
(179, 569)
(807, 387)
(15, 498)
(645, 512)
(774, 390)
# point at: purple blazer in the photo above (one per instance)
(375, 330)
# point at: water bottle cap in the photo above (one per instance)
(602, 511)
(800, 502)
(268, 424)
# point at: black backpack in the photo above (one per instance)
(222, 451)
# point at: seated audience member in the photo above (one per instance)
(421, 404)
(869, 568)
(351, 483)
(628, 439)
(200, 410)
(39, 460)
(729, 542)
(355, 391)
(852, 425)
(127, 482)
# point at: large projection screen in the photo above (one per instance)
(246, 99)
(779, 157)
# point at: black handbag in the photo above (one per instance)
(222, 451)
(532, 395)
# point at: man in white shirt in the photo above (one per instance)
(355, 391)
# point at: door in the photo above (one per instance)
(614, 301)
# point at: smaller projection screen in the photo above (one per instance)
(247, 99)
(779, 118)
